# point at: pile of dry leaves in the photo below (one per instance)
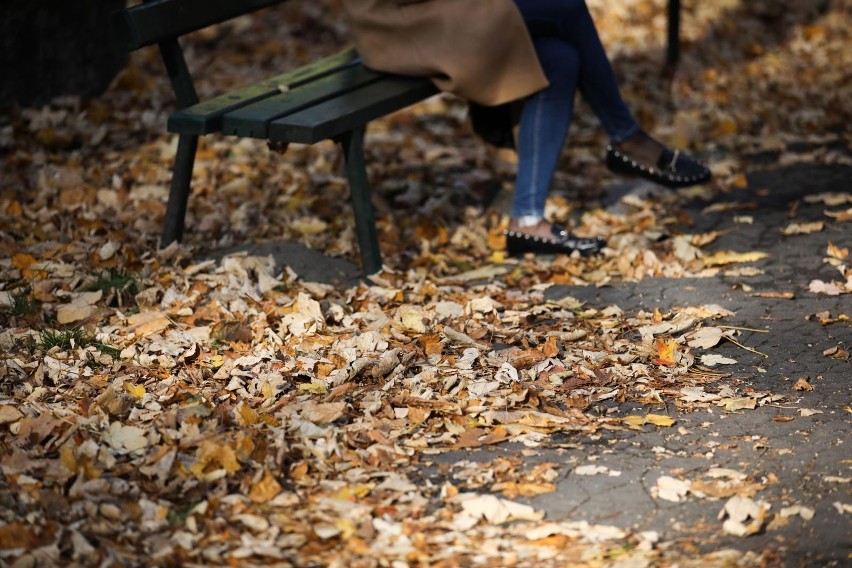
(157, 407)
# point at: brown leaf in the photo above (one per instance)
(802, 384)
(265, 489)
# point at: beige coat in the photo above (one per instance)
(477, 49)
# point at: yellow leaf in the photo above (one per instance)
(316, 388)
(730, 257)
(353, 493)
(660, 420)
(215, 454)
(22, 262)
(136, 391)
(666, 352)
(803, 228)
(246, 415)
(837, 252)
(634, 421)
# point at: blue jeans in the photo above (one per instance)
(572, 57)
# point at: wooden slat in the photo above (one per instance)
(158, 20)
(253, 120)
(206, 117)
(346, 112)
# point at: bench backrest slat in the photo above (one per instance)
(159, 20)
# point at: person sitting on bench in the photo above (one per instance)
(522, 60)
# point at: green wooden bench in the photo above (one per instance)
(331, 99)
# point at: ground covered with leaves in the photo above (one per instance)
(171, 406)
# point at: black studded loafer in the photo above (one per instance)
(674, 169)
(562, 242)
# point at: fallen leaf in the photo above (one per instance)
(496, 510)
(670, 489)
(147, 323)
(802, 384)
(835, 251)
(666, 353)
(660, 420)
(827, 288)
(743, 516)
(9, 414)
(137, 391)
(592, 469)
(705, 338)
(711, 360)
(323, 412)
(803, 228)
(776, 295)
(265, 489)
(805, 512)
(730, 257)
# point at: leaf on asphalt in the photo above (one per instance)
(842, 508)
(705, 338)
(805, 512)
(802, 384)
(495, 510)
(672, 489)
(743, 516)
(775, 295)
(636, 422)
(827, 288)
(835, 251)
(803, 228)
(730, 257)
(697, 394)
(830, 198)
(592, 469)
(660, 420)
(844, 216)
(712, 359)
(738, 403)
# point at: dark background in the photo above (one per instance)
(57, 47)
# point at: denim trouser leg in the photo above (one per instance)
(572, 56)
(571, 21)
(545, 119)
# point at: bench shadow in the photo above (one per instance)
(310, 264)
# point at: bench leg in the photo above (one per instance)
(179, 193)
(359, 186)
(673, 47)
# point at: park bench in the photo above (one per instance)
(330, 99)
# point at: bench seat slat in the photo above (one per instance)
(206, 117)
(158, 20)
(351, 110)
(253, 120)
